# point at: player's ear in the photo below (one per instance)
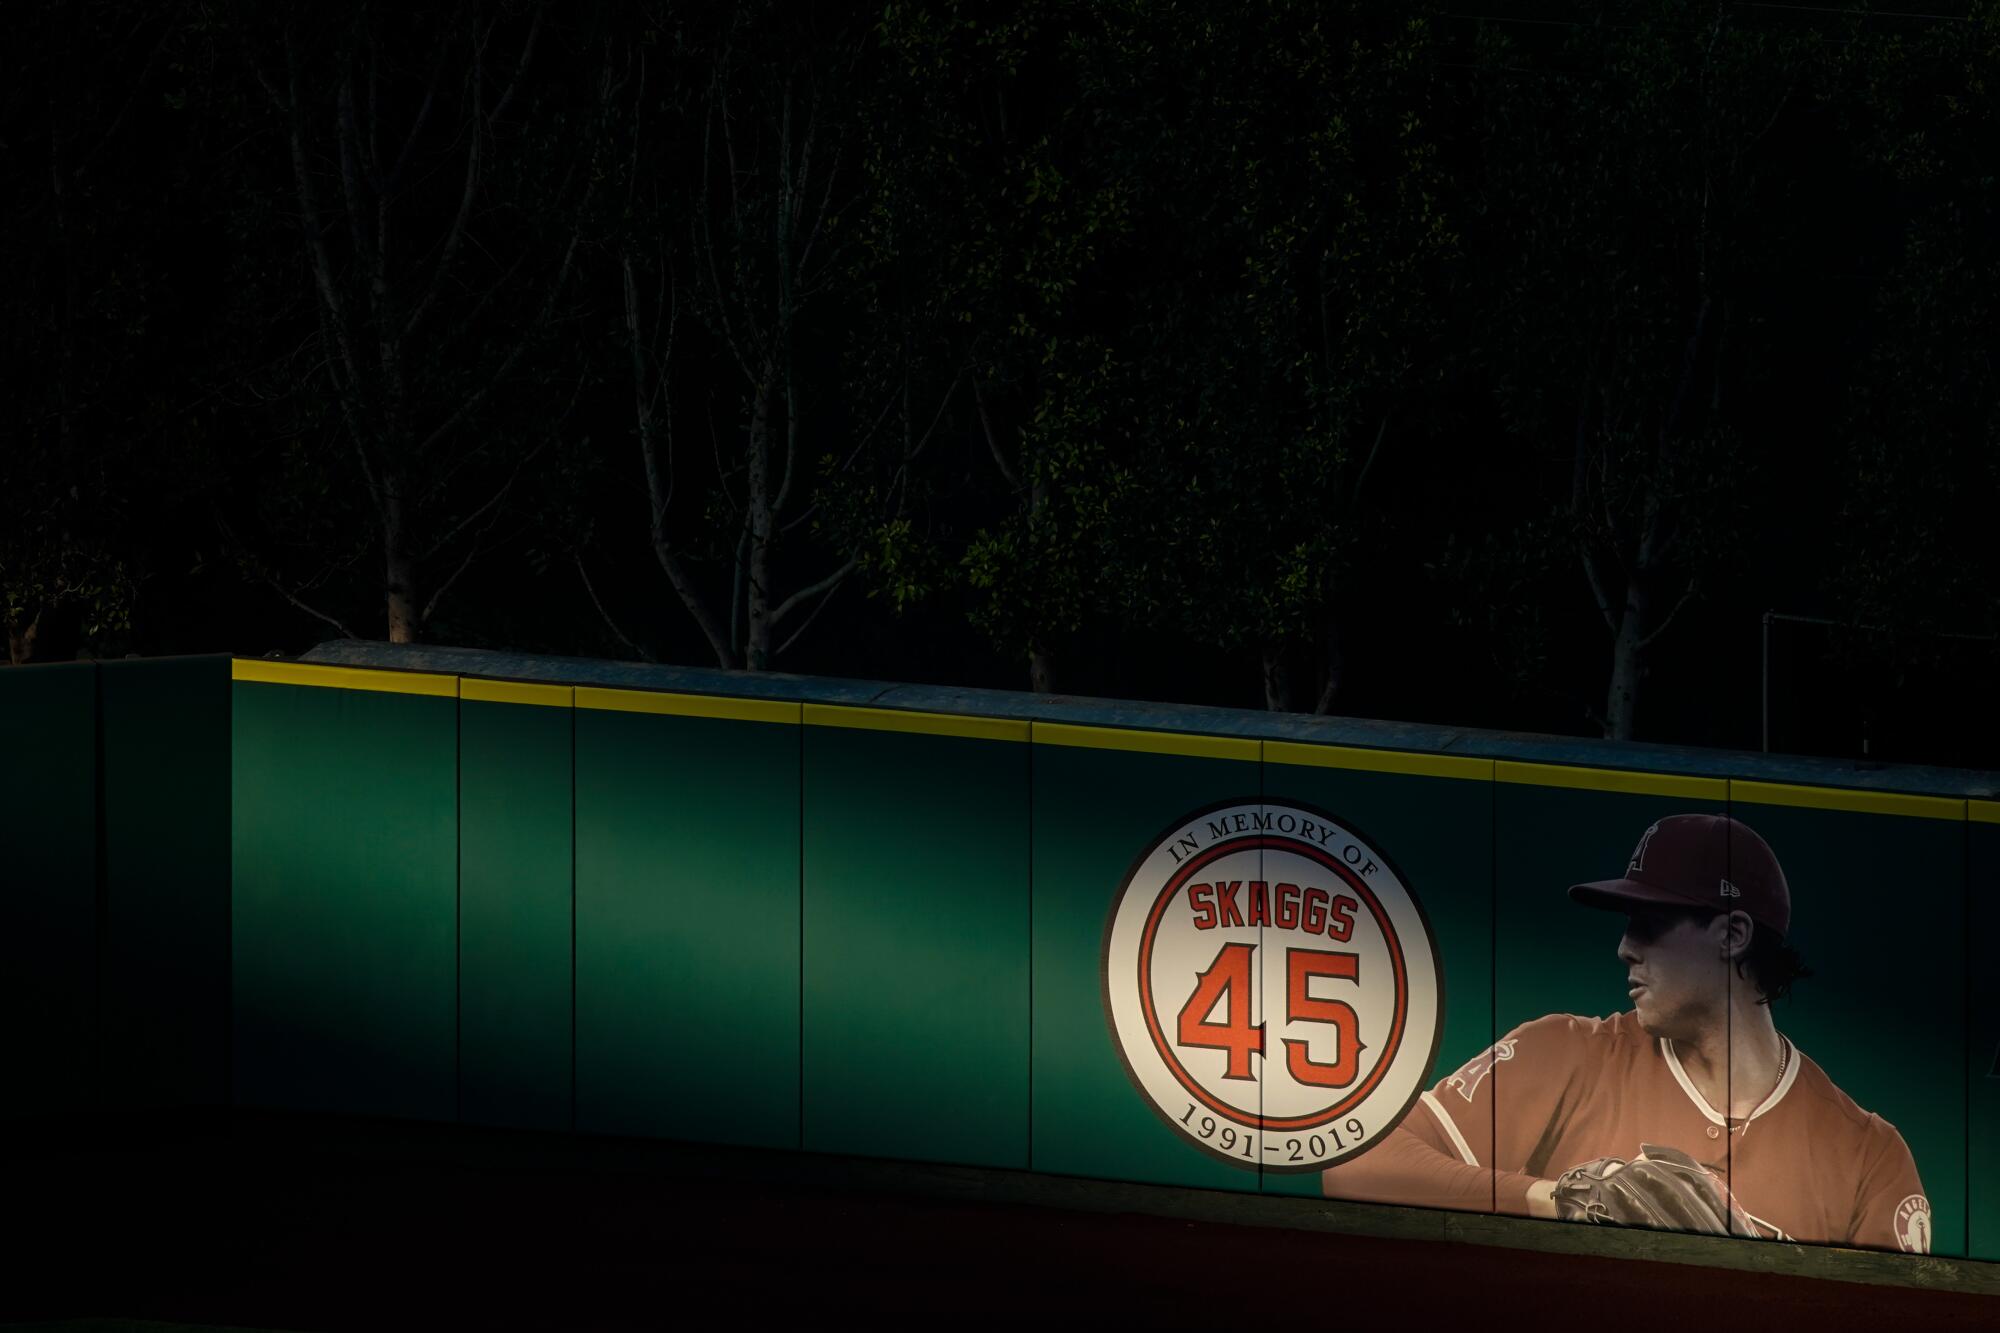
(1731, 932)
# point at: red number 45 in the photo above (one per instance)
(1227, 983)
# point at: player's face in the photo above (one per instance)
(1673, 971)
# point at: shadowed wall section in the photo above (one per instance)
(114, 890)
(516, 901)
(345, 891)
(48, 900)
(166, 882)
(1982, 1082)
(687, 917)
(916, 850)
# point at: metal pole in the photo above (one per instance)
(1767, 683)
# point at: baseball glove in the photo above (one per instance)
(1662, 1188)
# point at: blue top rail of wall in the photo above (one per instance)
(1359, 733)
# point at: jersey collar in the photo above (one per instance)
(1701, 1102)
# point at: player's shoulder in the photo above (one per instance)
(1834, 1108)
(1581, 1032)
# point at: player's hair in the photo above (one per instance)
(1771, 965)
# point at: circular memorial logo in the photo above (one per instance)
(1272, 985)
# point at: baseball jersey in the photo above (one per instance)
(1807, 1164)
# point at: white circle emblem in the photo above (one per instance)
(1913, 1224)
(1272, 985)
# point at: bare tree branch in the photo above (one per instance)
(417, 123)
(1007, 473)
(785, 607)
(610, 624)
(721, 472)
(322, 262)
(1597, 592)
(430, 607)
(139, 86)
(467, 194)
(1381, 432)
(820, 215)
(807, 623)
(244, 555)
(472, 316)
(520, 66)
(309, 609)
(704, 239)
(346, 134)
(371, 143)
(1661, 628)
(478, 398)
(489, 504)
(923, 441)
(658, 481)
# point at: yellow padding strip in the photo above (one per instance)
(515, 692)
(687, 705)
(1612, 779)
(1146, 742)
(1379, 761)
(343, 678)
(926, 724)
(1983, 812)
(1844, 798)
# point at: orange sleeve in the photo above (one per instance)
(1442, 1153)
(1416, 1164)
(1890, 1210)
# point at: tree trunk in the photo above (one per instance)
(405, 624)
(1041, 670)
(1336, 663)
(398, 567)
(1277, 679)
(1628, 663)
(21, 640)
(757, 604)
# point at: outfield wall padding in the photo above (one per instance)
(165, 935)
(516, 905)
(1982, 1064)
(114, 892)
(344, 899)
(48, 903)
(916, 841)
(687, 918)
(899, 922)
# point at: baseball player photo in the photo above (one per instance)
(1690, 1111)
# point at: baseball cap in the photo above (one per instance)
(1709, 861)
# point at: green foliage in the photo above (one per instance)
(1629, 186)
(1302, 244)
(988, 219)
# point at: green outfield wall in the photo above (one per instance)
(1116, 941)
(114, 884)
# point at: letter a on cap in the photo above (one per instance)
(1639, 852)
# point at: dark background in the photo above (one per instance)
(1391, 361)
